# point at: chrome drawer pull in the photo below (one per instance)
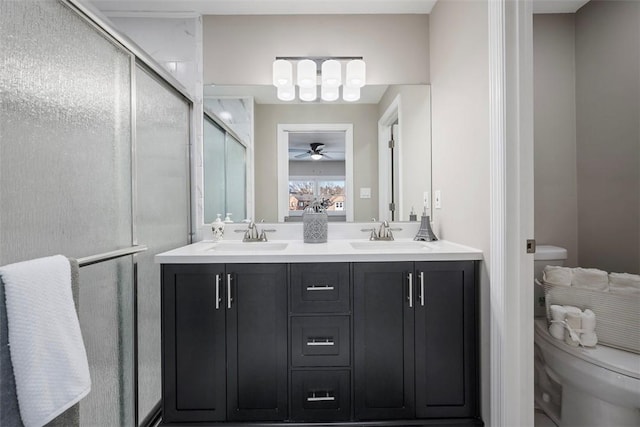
(229, 299)
(326, 398)
(217, 291)
(319, 288)
(422, 288)
(320, 341)
(410, 297)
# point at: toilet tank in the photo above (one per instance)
(547, 255)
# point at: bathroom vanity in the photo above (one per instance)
(343, 332)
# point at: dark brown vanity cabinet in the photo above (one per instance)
(415, 340)
(320, 342)
(224, 342)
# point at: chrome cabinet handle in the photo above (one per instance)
(326, 398)
(229, 299)
(422, 288)
(410, 281)
(217, 291)
(320, 288)
(320, 342)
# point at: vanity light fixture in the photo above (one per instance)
(323, 71)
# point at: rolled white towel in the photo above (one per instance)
(573, 322)
(572, 309)
(555, 275)
(557, 330)
(588, 321)
(590, 278)
(624, 283)
(588, 339)
(558, 312)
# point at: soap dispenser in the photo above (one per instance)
(217, 227)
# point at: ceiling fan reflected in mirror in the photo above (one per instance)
(316, 152)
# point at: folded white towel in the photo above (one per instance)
(624, 283)
(590, 278)
(555, 275)
(48, 356)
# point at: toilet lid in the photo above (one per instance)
(613, 359)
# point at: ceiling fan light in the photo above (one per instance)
(356, 73)
(307, 73)
(282, 73)
(331, 73)
(308, 93)
(329, 93)
(350, 93)
(316, 156)
(287, 93)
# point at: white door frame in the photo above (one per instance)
(283, 162)
(511, 214)
(391, 114)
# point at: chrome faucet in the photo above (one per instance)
(384, 232)
(251, 234)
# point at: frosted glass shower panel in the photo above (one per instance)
(236, 179)
(105, 311)
(65, 129)
(162, 213)
(214, 171)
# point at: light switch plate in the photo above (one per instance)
(437, 199)
(426, 201)
(365, 193)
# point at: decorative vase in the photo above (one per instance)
(315, 226)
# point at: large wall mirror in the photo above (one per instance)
(371, 158)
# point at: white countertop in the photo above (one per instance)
(337, 250)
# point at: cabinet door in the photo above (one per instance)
(257, 341)
(445, 343)
(383, 340)
(193, 343)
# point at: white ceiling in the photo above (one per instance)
(301, 7)
(300, 142)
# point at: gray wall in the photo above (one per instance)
(365, 151)
(556, 190)
(587, 133)
(240, 49)
(459, 47)
(608, 134)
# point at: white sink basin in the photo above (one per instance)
(248, 246)
(393, 245)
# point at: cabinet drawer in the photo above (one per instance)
(320, 341)
(320, 288)
(320, 395)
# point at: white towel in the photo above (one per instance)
(624, 283)
(590, 278)
(588, 321)
(558, 312)
(48, 356)
(555, 275)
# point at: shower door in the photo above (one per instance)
(94, 158)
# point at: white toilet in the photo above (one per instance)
(578, 386)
